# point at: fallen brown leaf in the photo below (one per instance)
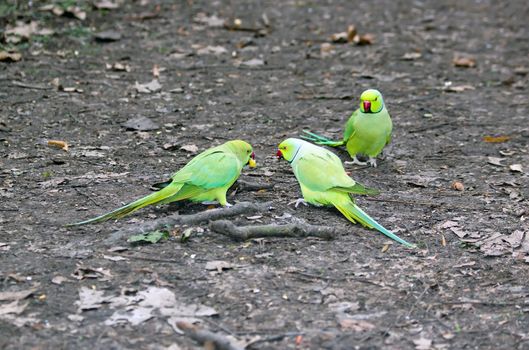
(106, 5)
(458, 186)
(516, 168)
(190, 148)
(356, 325)
(496, 139)
(364, 39)
(10, 56)
(464, 62)
(59, 144)
(411, 56)
(156, 71)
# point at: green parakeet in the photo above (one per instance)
(207, 177)
(367, 131)
(323, 182)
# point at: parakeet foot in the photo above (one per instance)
(298, 202)
(356, 161)
(372, 162)
(210, 203)
(228, 205)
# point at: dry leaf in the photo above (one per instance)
(147, 88)
(254, 62)
(458, 186)
(71, 89)
(13, 308)
(443, 240)
(58, 280)
(516, 168)
(141, 124)
(77, 12)
(10, 56)
(59, 144)
(114, 257)
(20, 295)
(106, 5)
(210, 21)
(218, 265)
(156, 71)
(344, 37)
(190, 148)
(90, 299)
(356, 325)
(496, 139)
(364, 39)
(422, 343)
(118, 67)
(465, 62)
(213, 50)
(108, 36)
(411, 56)
(88, 272)
(495, 161)
(457, 88)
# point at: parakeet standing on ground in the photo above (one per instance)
(207, 177)
(323, 182)
(367, 131)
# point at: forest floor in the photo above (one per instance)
(135, 91)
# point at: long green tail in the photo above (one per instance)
(353, 213)
(320, 140)
(153, 198)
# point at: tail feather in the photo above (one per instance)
(320, 140)
(133, 206)
(353, 213)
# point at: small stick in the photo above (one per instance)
(242, 185)
(204, 337)
(192, 219)
(298, 229)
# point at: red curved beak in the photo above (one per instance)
(367, 106)
(252, 155)
(279, 154)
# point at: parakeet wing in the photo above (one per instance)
(349, 126)
(213, 170)
(324, 171)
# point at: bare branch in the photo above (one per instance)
(176, 219)
(205, 337)
(297, 229)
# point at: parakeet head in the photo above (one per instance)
(243, 151)
(371, 101)
(289, 148)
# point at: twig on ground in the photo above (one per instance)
(205, 337)
(30, 86)
(242, 185)
(345, 278)
(147, 258)
(176, 219)
(297, 229)
(324, 97)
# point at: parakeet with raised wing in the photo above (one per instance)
(367, 131)
(207, 177)
(323, 182)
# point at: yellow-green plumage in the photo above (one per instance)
(207, 177)
(367, 131)
(323, 182)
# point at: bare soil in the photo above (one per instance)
(466, 287)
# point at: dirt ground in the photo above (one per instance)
(454, 76)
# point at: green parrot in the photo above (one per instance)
(323, 182)
(207, 177)
(367, 131)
